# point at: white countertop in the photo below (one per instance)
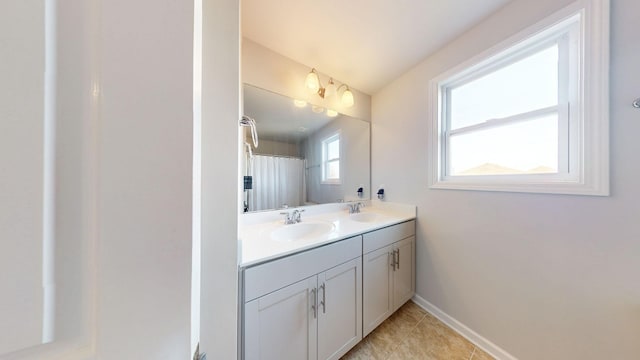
(257, 243)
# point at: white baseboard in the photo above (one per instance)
(477, 339)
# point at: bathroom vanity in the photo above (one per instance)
(314, 289)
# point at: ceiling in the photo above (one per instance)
(364, 43)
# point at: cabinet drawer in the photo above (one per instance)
(387, 236)
(265, 278)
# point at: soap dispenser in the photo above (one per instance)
(360, 192)
(381, 193)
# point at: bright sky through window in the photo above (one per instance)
(526, 146)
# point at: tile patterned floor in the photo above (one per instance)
(412, 333)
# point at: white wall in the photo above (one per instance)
(145, 179)
(220, 177)
(66, 161)
(21, 173)
(542, 276)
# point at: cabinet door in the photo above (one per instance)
(377, 288)
(339, 309)
(403, 276)
(283, 325)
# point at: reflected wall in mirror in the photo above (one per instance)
(306, 154)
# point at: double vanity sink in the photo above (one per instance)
(313, 289)
(265, 236)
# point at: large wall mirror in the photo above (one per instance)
(306, 154)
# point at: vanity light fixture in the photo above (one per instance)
(347, 97)
(313, 84)
(331, 89)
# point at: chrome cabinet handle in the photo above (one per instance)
(393, 259)
(313, 307)
(323, 302)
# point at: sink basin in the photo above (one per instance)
(365, 217)
(301, 231)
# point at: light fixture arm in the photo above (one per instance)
(313, 70)
(321, 89)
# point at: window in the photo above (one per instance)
(331, 159)
(507, 121)
(530, 115)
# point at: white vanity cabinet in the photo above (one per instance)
(388, 272)
(304, 306)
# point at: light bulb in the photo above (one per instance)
(347, 98)
(330, 90)
(299, 103)
(332, 113)
(312, 82)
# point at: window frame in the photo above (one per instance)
(326, 161)
(587, 169)
(560, 37)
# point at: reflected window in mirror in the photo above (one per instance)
(331, 159)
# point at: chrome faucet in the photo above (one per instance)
(355, 207)
(293, 217)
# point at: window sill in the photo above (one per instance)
(329, 182)
(564, 187)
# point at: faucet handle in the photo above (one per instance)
(353, 208)
(296, 217)
(287, 219)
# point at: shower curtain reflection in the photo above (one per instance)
(277, 181)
